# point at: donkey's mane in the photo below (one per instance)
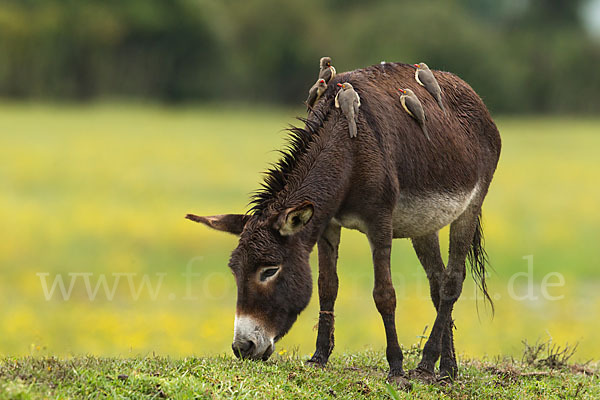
(298, 141)
(276, 177)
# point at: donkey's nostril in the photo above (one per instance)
(243, 348)
(246, 346)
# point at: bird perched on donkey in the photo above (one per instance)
(425, 78)
(326, 70)
(411, 104)
(349, 101)
(315, 93)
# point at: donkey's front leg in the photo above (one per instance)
(385, 300)
(328, 287)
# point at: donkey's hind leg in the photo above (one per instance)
(328, 287)
(428, 252)
(462, 231)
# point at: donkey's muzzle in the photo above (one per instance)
(250, 339)
(243, 348)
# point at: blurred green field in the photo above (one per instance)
(103, 190)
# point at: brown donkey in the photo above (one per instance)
(389, 182)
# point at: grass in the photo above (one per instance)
(103, 189)
(348, 376)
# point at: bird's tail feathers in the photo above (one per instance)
(352, 127)
(424, 128)
(439, 101)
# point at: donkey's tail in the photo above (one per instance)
(478, 259)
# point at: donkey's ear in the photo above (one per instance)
(232, 223)
(292, 220)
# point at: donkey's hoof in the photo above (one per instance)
(448, 373)
(422, 375)
(315, 363)
(400, 381)
(445, 380)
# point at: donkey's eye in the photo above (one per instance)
(267, 273)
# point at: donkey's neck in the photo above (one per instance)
(322, 176)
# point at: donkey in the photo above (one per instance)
(389, 182)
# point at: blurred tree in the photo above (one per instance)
(266, 50)
(550, 12)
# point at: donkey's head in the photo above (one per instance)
(273, 277)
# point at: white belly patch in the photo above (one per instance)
(414, 216)
(418, 216)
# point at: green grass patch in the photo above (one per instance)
(348, 376)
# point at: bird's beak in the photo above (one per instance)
(340, 85)
(416, 65)
(401, 90)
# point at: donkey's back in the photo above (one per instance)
(427, 182)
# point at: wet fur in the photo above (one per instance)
(362, 183)
(448, 164)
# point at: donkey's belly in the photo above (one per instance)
(416, 216)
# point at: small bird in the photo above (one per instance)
(410, 102)
(315, 93)
(349, 101)
(425, 78)
(326, 71)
